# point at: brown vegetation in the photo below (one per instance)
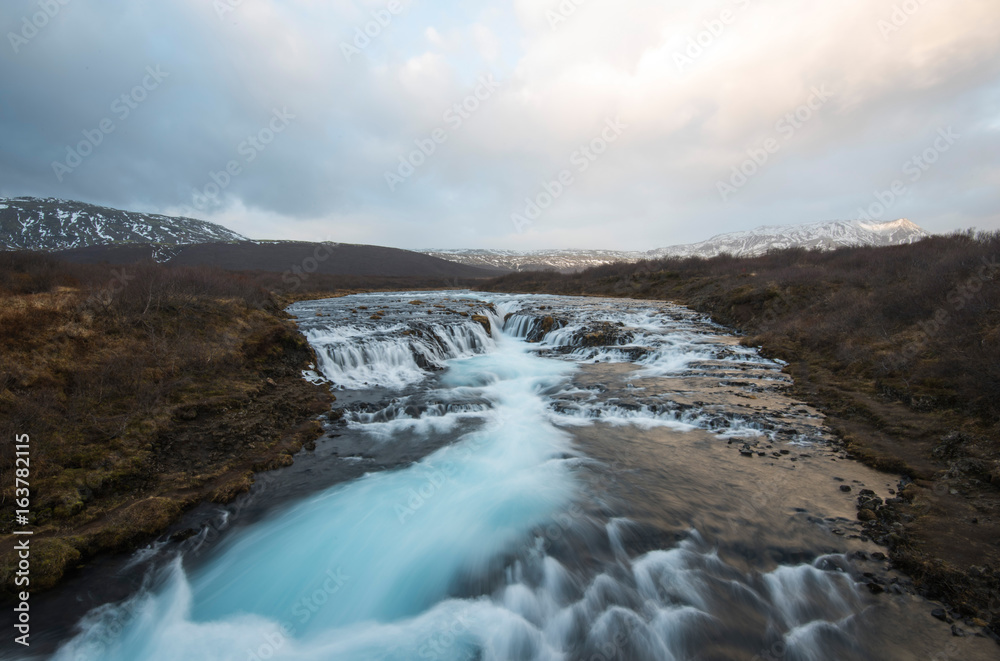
(900, 346)
(144, 390)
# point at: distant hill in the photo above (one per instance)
(825, 236)
(85, 233)
(285, 256)
(31, 223)
(534, 260)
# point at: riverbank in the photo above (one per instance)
(899, 348)
(144, 391)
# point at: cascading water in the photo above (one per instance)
(580, 496)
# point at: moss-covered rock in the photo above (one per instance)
(136, 522)
(484, 322)
(50, 559)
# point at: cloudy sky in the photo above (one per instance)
(630, 124)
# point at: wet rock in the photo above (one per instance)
(602, 334)
(940, 614)
(958, 631)
(548, 323)
(484, 322)
(181, 535)
(866, 515)
(543, 327)
(845, 488)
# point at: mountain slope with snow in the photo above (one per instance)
(30, 223)
(823, 236)
(534, 260)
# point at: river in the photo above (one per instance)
(535, 478)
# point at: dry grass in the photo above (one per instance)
(105, 368)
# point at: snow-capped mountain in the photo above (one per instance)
(823, 236)
(30, 223)
(534, 260)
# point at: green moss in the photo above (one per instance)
(137, 521)
(50, 560)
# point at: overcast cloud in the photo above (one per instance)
(315, 119)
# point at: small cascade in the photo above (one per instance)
(393, 356)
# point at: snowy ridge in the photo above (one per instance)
(534, 260)
(822, 236)
(30, 223)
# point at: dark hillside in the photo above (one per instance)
(291, 257)
(144, 391)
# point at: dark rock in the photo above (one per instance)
(845, 488)
(181, 535)
(940, 614)
(602, 334)
(950, 446)
(866, 515)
